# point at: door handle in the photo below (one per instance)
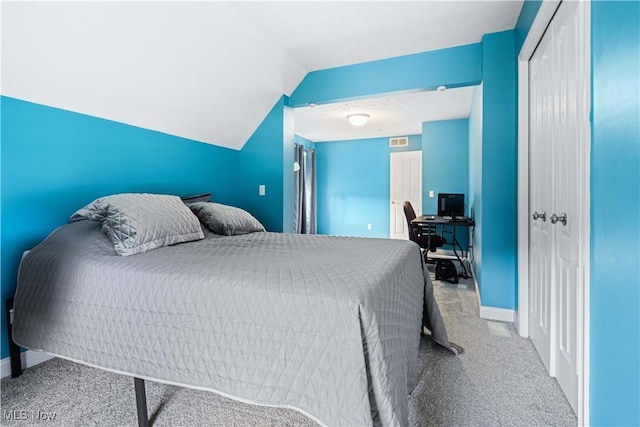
(562, 218)
(542, 216)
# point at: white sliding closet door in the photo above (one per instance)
(540, 200)
(572, 86)
(559, 87)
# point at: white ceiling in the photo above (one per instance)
(326, 34)
(211, 71)
(397, 114)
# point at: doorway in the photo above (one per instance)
(406, 184)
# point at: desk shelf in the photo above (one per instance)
(432, 226)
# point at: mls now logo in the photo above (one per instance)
(24, 415)
(15, 415)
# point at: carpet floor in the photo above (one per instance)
(499, 380)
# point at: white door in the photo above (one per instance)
(559, 123)
(570, 67)
(406, 184)
(540, 200)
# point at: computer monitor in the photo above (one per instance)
(450, 204)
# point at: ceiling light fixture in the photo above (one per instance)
(358, 119)
(442, 88)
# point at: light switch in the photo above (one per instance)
(262, 189)
(368, 226)
(432, 194)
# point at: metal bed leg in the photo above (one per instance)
(14, 350)
(141, 403)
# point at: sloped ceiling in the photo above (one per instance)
(211, 71)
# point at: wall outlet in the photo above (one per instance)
(262, 190)
(432, 194)
(368, 226)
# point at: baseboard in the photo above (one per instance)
(499, 314)
(493, 313)
(29, 358)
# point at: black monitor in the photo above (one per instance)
(450, 204)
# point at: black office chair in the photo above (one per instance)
(425, 236)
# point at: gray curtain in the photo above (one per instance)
(305, 190)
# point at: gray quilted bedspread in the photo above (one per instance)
(329, 326)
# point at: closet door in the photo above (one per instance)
(558, 140)
(540, 199)
(570, 65)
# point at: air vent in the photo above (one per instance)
(401, 141)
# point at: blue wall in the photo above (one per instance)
(353, 183)
(615, 214)
(262, 162)
(351, 197)
(498, 220)
(453, 67)
(445, 161)
(55, 161)
(445, 165)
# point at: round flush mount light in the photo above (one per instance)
(442, 88)
(359, 119)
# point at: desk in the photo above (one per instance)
(438, 225)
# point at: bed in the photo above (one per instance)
(326, 325)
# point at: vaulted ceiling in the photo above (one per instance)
(211, 71)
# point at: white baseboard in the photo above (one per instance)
(499, 314)
(493, 313)
(29, 358)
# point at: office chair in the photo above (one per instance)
(425, 236)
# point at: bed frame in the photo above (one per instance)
(16, 369)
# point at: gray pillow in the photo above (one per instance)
(138, 223)
(226, 220)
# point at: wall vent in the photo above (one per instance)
(401, 141)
